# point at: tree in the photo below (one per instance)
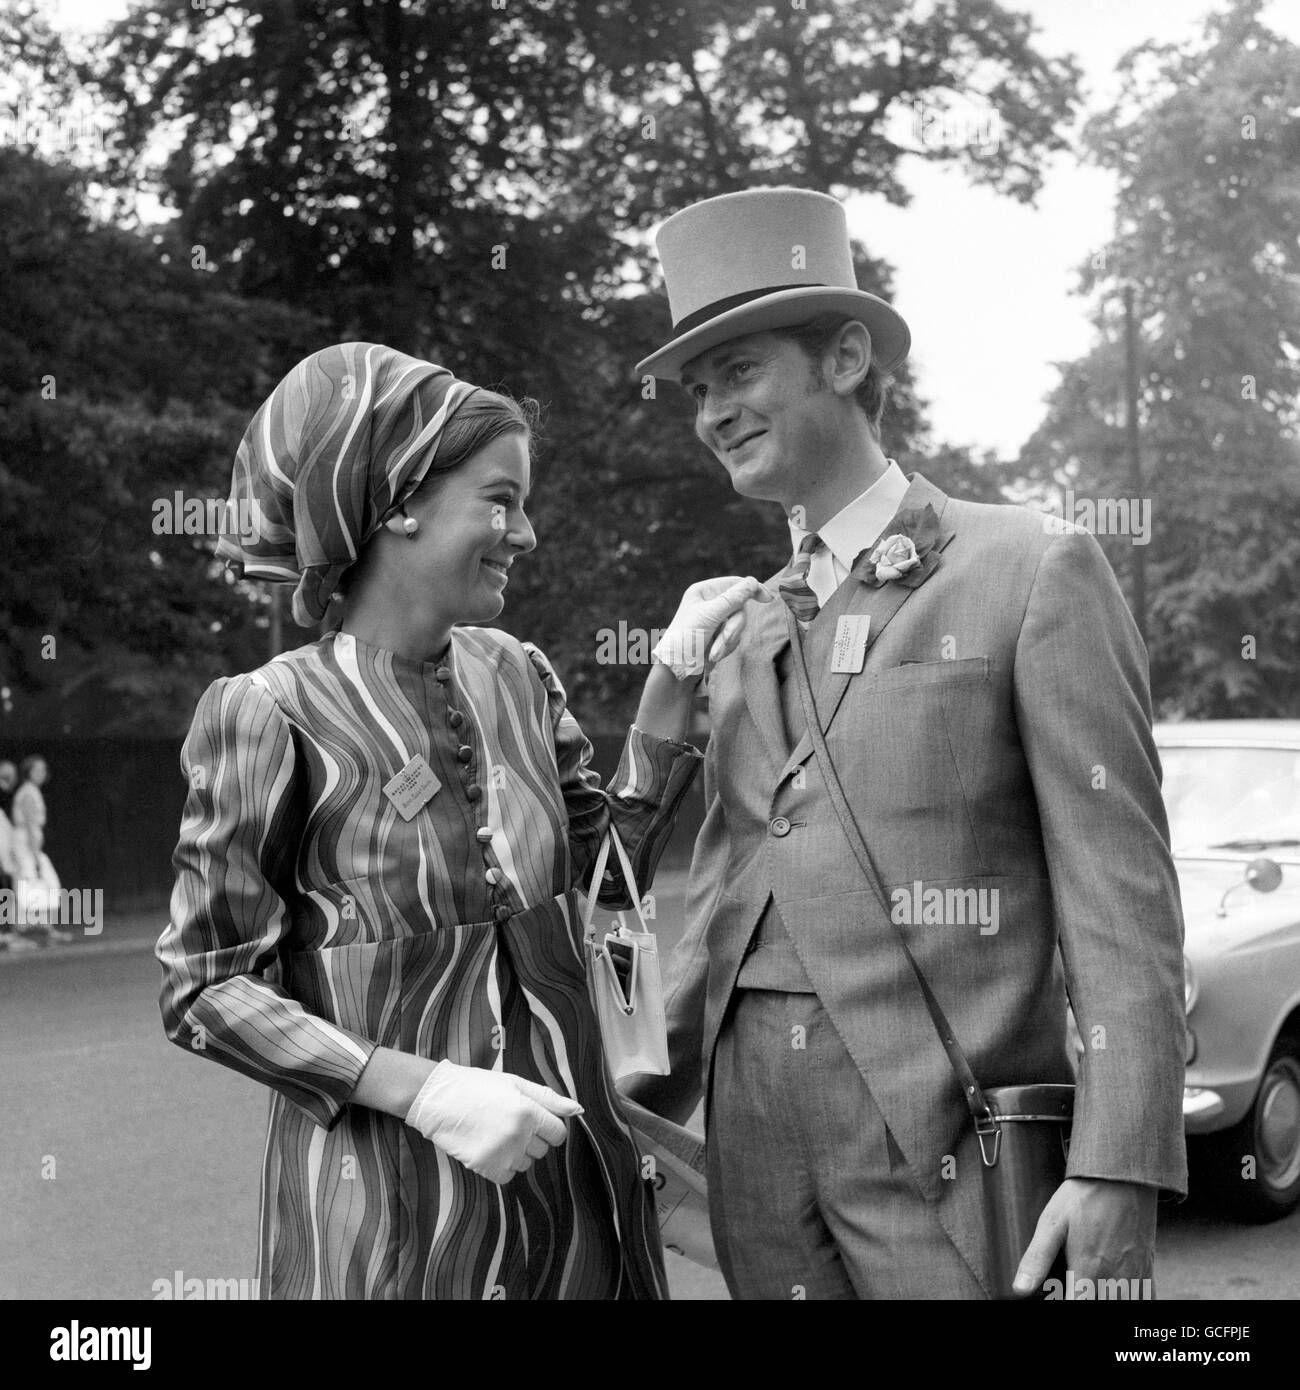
(126, 377)
(1205, 140)
(473, 183)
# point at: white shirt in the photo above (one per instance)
(851, 530)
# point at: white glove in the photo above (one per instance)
(494, 1122)
(685, 647)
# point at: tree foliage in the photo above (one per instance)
(475, 183)
(1205, 139)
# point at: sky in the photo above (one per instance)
(986, 284)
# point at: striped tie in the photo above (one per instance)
(800, 599)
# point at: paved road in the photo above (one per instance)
(123, 1160)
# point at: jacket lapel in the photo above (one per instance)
(879, 602)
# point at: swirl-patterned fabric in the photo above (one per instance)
(310, 923)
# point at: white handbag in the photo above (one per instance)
(629, 1003)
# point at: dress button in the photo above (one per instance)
(473, 791)
(455, 718)
(464, 752)
(502, 913)
(779, 826)
(443, 674)
(484, 834)
(493, 876)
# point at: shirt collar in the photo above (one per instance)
(859, 524)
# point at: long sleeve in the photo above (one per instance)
(1096, 778)
(642, 798)
(686, 980)
(234, 868)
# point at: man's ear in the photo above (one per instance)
(850, 358)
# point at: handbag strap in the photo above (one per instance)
(971, 1092)
(597, 878)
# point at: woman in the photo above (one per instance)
(374, 907)
(10, 940)
(36, 884)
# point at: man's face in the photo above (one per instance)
(762, 409)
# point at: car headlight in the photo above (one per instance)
(1189, 985)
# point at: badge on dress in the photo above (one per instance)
(850, 650)
(412, 787)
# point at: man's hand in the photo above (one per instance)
(1109, 1231)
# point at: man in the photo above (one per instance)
(984, 695)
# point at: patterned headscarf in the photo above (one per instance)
(338, 446)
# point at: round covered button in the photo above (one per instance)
(501, 913)
(493, 876)
(443, 674)
(464, 752)
(484, 833)
(455, 718)
(473, 791)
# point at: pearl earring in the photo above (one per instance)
(410, 526)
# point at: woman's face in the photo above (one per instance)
(39, 773)
(8, 777)
(471, 529)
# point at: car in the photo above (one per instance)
(1232, 791)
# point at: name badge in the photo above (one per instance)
(850, 650)
(412, 787)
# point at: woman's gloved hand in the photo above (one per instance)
(689, 646)
(495, 1123)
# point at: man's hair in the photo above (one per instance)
(815, 337)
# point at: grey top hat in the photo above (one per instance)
(762, 259)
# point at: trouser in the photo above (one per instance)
(809, 1195)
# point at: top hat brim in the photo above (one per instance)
(891, 339)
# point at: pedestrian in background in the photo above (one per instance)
(36, 883)
(10, 940)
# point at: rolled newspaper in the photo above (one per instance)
(681, 1193)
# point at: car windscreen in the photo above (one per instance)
(1233, 799)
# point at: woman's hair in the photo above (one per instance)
(29, 762)
(484, 417)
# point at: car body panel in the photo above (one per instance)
(1245, 963)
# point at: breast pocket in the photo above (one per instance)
(914, 674)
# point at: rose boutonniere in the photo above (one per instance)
(906, 555)
(894, 557)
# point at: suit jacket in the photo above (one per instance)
(998, 738)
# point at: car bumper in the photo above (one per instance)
(1202, 1108)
